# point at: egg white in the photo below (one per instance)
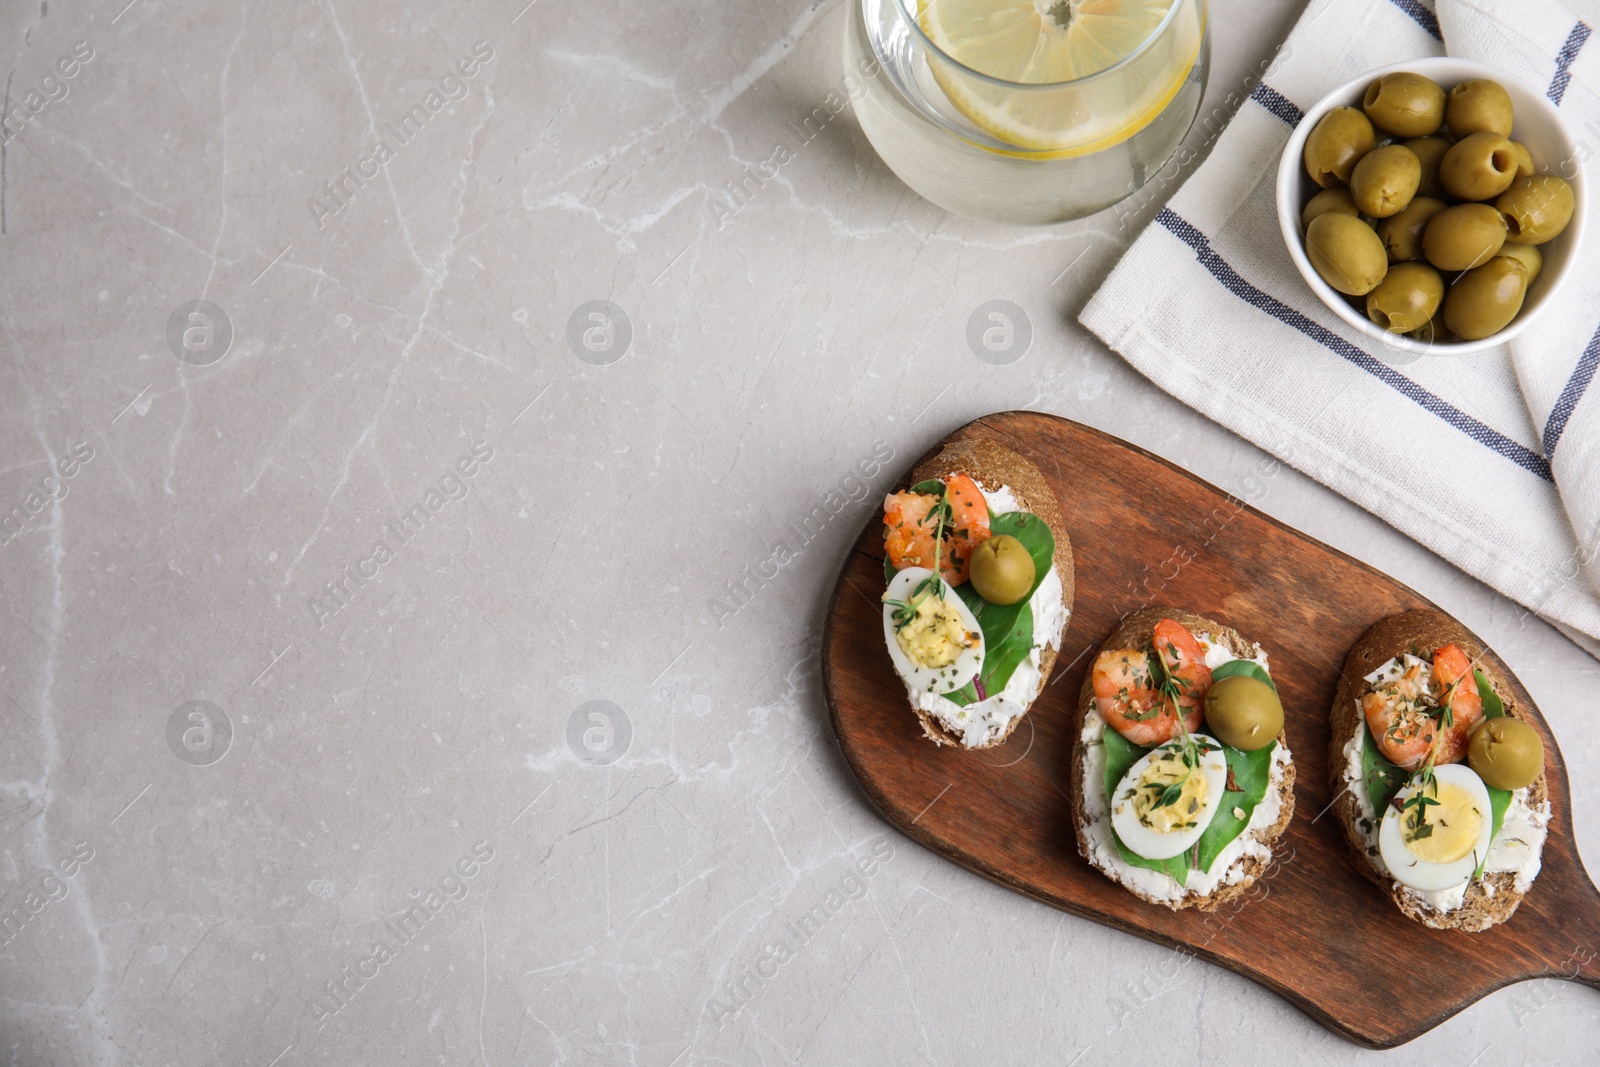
(940, 680)
(1158, 846)
(1419, 874)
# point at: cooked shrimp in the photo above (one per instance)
(909, 526)
(1125, 691)
(1453, 681)
(905, 537)
(1408, 722)
(1187, 663)
(1399, 721)
(1123, 695)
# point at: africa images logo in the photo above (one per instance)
(402, 529)
(52, 88)
(52, 486)
(452, 87)
(797, 932)
(41, 891)
(742, 590)
(396, 932)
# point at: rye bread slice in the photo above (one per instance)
(1136, 631)
(1424, 632)
(993, 465)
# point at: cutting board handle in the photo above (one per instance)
(1585, 966)
(1581, 965)
(1574, 951)
(1589, 971)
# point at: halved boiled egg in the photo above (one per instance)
(937, 645)
(1162, 806)
(1441, 849)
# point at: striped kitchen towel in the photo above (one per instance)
(1492, 460)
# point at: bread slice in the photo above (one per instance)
(993, 465)
(1136, 631)
(1489, 900)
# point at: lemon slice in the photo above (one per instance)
(1045, 42)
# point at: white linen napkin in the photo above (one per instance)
(1490, 460)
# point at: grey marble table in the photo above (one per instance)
(383, 683)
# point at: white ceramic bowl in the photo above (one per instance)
(1539, 125)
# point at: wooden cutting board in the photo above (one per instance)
(1317, 933)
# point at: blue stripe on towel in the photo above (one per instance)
(1582, 375)
(1424, 18)
(1569, 52)
(1523, 457)
(1277, 103)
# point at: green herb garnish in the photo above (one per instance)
(933, 585)
(1170, 687)
(1414, 811)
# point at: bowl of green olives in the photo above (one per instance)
(1437, 206)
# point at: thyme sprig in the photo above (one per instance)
(906, 610)
(1446, 710)
(1170, 686)
(1414, 811)
(1446, 714)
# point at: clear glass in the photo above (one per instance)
(1095, 140)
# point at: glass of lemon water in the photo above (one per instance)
(1026, 111)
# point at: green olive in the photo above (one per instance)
(1484, 300)
(1432, 332)
(1401, 233)
(1385, 180)
(1532, 259)
(1480, 166)
(1002, 570)
(1525, 167)
(1407, 298)
(1337, 199)
(1429, 151)
(1479, 106)
(1506, 753)
(1405, 104)
(1244, 712)
(1537, 209)
(1464, 236)
(1339, 139)
(1347, 253)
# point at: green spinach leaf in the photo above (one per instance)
(1493, 706)
(1381, 778)
(1499, 799)
(1120, 755)
(1002, 654)
(1247, 667)
(1252, 773)
(1008, 636)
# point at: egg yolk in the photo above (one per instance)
(935, 636)
(1447, 830)
(1163, 772)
